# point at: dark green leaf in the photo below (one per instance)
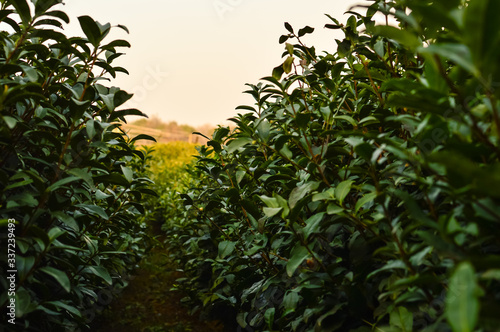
(143, 136)
(342, 189)
(297, 256)
(305, 31)
(91, 29)
(402, 318)
(94, 209)
(300, 192)
(100, 272)
(23, 9)
(226, 248)
(57, 13)
(60, 276)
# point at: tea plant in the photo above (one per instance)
(69, 177)
(360, 192)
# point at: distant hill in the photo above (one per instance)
(167, 131)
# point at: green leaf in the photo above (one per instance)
(143, 136)
(240, 175)
(333, 26)
(109, 101)
(238, 143)
(283, 39)
(122, 113)
(297, 256)
(23, 9)
(41, 6)
(90, 128)
(128, 173)
(390, 265)
(10, 121)
(349, 119)
(342, 189)
(60, 276)
(24, 264)
(91, 29)
(333, 208)
(278, 72)
(271, 212)
(305, 30)
(54, 233)
(51, 22)
(462, 299)
(124, 28)
(270, 201)
(287, 65)
(226, 248)
(94, 209)
(100, 272)
(62, 182)
(288, 27)
(116, 43)
(67, 220)
(24, 304)
(325, 195)
(313, 224)
(417, 259)
(363, 200)
(66, 307)
(30, 73)
(300, 192)
(263, 130)
(113, 178)
(403, 37)
(290, 301)
(57, 13)
(402, 318)
(269, 317)
(458, 53)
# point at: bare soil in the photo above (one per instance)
(148, 304)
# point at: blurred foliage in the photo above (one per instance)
(168, 168)
(360, 191)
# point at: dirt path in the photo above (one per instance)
(148, 304)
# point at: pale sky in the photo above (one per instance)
(190, 59)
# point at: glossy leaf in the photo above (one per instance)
(100, 272)
(60, 276)
(91, 29)
(342, 190)
(226, 248)
(23, 10)
(300, 192)
(297, 256)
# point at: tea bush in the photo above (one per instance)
(360, 191)
(71, 181)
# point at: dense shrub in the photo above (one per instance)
(360, 193)
(69, 177)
